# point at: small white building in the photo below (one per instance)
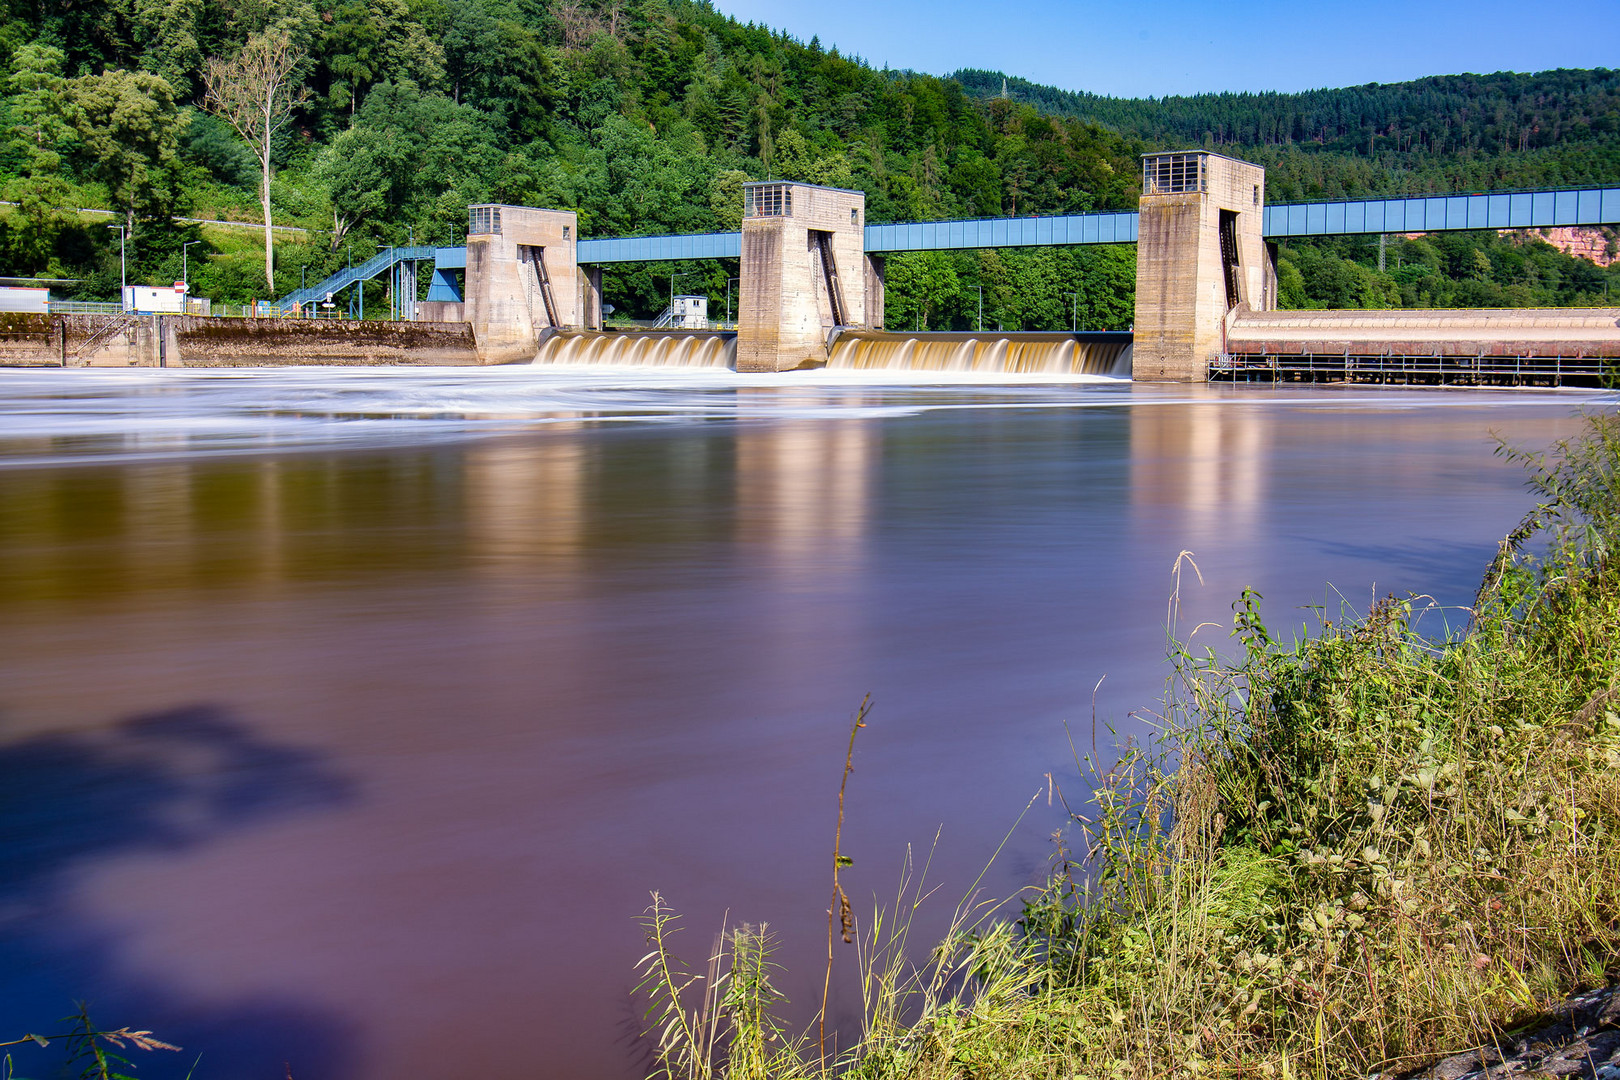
(33, 301)
(689, 313)
(168, 300)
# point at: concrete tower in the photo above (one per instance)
(1200, 254)
(803, 272)
(521, 278)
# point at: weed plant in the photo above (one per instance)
(1338, 856)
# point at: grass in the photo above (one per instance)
(1346, 854)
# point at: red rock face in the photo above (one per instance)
(1583, 241)
(1599, 243)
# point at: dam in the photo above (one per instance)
(811, 288)
(526, 288)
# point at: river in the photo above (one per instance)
(347, 718)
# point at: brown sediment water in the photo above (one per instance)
(1098, 353)
(347, 717)
(648, 348)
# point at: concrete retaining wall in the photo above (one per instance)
(77, 341)
(198, 341)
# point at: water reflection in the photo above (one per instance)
(568, 665)
(803, 490)
(524, 501)
(1201, 471)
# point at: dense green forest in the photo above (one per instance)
(647, 116)
(1441, 134)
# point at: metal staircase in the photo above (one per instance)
(367, 270)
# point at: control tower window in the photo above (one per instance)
(768, 200)
(1172, 174)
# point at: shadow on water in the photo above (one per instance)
(154, 784)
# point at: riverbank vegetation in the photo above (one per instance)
(1341, 855)
(646, 116)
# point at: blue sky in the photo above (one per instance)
(1179, 47)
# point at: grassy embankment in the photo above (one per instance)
(1342, 856)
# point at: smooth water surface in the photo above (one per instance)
(347, 718)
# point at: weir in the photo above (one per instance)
(651, 348)
(1099, 353)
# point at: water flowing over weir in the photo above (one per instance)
(1105, 353)
(1090, 353)
(653, 348)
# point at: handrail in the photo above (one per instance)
(349, 275)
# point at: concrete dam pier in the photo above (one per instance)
(527, 289)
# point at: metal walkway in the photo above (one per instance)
(1435, 213)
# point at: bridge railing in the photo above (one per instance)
(349, 275)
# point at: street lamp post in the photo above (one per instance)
(1074, 313)
(981, 306)
(673, 274)
(123, 277)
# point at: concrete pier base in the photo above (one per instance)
(803, 273)
(522, 278)
(1200, 254)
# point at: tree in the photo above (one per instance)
(921, 284)
(371, 41)
(168, 29)
(128, 127)
(354, 172)
(36, 107)
(38, 133)
(254, 94)
(726, 197)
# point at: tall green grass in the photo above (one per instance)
(1344, 854)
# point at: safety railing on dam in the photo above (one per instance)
(1433, 370)
(367, 270)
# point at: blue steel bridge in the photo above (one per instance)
(1346, 217)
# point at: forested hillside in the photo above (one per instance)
(1446, 133)
(643, 115)
(1443, 134)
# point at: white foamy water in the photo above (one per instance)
(51, 417)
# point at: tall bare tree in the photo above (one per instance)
(253, 92)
